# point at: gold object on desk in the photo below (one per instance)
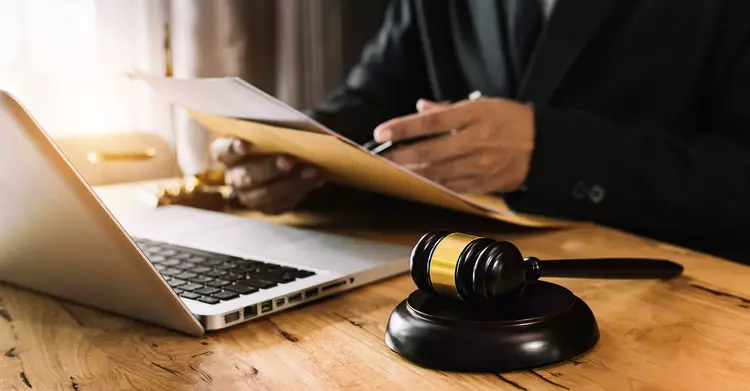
(211, 178)
(107, 157)
(110, 158)
(192, 191)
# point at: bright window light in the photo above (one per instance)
(69, 61)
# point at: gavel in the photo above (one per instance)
(479, 270)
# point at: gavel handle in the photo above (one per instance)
(611, 268)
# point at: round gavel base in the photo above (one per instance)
(543, 325)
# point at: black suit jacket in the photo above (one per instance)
(642, 107)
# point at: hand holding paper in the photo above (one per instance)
(271, 184)
(231, 107)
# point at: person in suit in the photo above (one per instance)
(629, 113)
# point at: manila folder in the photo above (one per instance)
(230, 106)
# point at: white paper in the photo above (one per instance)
(231, 97)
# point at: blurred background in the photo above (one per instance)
(71, 63)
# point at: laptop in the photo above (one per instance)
(182, 268)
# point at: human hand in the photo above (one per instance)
(271, 184)
(487, 145)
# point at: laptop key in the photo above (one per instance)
(212, 262)
(243, 269)
(183, 256)
(175, 282)
(261, 268)
(225, 258)
(191, 286)
(279, 278)
(251, 263)
(207, 290)
(171, 272)
(227, 266)
(235, 276)
(197, 259)
(168, 253)
(185, 265)
(208, 300)
(303, 273)
(156, 258)
(257, 283)
(201, 279)
(186, 275)
(225, 295)
(218, 283)
(217, 273)
(177, 290)
(200, 269)
(160, 267)
(194, 251)
(241, 289)
(190, 295)
(170, 262)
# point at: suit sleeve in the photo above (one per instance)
(386, 83)
(672, 184)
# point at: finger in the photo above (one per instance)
(298, 184)
(259, 169)
(229, 150)
(455, 116)
(433, 150)
(424, 105)
(467, 165)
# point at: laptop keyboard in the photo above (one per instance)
(212, 278)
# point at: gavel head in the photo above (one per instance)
(472, 269)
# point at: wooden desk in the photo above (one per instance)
(689, 334)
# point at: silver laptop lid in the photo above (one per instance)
(57, 237)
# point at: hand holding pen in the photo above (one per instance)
(422, 105)
(479, 145)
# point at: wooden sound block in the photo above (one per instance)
(543, 325)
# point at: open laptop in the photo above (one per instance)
(181, 268)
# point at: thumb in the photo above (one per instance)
(425, 105)
(229, 151)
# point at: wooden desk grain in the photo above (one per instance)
(689, 334)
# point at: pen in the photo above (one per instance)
(375, 148)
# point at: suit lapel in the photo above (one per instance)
(462, 38)
(571, 26)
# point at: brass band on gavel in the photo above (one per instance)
(469, 268)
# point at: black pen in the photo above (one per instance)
(376, 148)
